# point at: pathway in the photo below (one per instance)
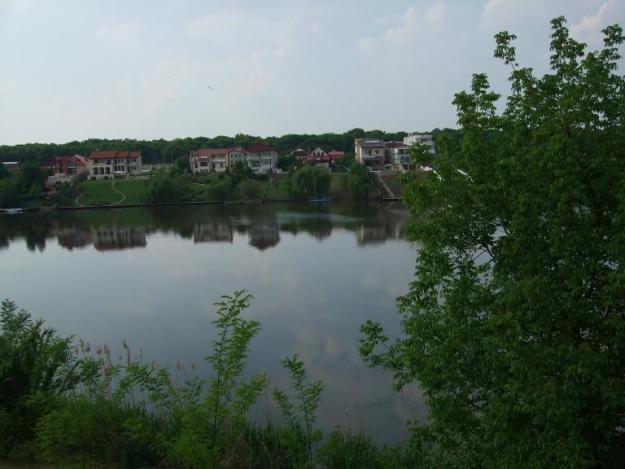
(119, 192)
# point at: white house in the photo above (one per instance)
(260, 157)
(114, 164)
(423, 139)
(209, 160)
(399, 154)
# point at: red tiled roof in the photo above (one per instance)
(98, 155)
(78, 159)
(321, 158)
(336, 154)
(258, 147)
(211, 152)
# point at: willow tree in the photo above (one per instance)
(514, 325)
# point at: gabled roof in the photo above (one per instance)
(336, 154)
(78, 159)
(370, 142)
(322, 158)
(98, 155)
(259, 147)
(397, 145)
(299, 152)
(207, 152)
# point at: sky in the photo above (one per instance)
(148, 69)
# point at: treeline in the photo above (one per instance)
(166, 151)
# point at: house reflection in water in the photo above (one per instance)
(73, 237)
(387, 225)
(114, 238)
(130, 228)
(212, 232)
(265, 235)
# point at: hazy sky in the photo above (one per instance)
(74, 69)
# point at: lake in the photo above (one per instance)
(151, 276)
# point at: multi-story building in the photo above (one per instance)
(209, 160)
(236, 155)
(399, 154)
(260, 157)
(70, 165)
(318, 156)
(370, 152)
(423, 139)
(111, 164)
(375, 152)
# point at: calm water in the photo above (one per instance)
(150, 276)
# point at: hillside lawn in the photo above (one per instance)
(133, 191)
(107, 192)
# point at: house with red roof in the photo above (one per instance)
(111, 164)
(72, 165)
(318, 156)
(209, 160)
(260, 157)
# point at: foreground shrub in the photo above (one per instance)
(35, 366)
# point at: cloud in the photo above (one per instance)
(499, 12)
(411, 23)
(435, 15)
(120, 33)
(494, 7)
(589, 27)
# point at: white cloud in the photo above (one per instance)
(435, 15)
(120, 33)
(589, 27)
(502, 13)
(411, 23)
(494, 7)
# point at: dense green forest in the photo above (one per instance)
(166, 151)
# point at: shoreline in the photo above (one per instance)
(173, 204)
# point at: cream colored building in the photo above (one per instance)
(111, 164)
(209, 160)
(260, 157)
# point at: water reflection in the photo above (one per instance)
(316, 274)
(120, 229)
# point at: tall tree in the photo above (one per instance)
(515, 323)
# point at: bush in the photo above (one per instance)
(167, 185)
(8, 193)
(249, 189)
(357, 181)
(35, 366)
(309, 181)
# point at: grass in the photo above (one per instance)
(125, 191)
(338, 191)
(279, 188)
(96, 193)
(134, 189)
